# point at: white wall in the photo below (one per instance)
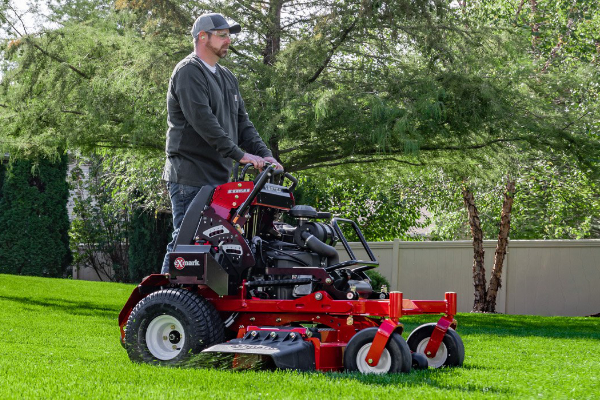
(540, 277)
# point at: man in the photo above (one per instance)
(207, 121)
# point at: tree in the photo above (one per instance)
(410, 83)
(560, 15)
(34, 221)
(117, 230)
(324, 86)
(384, 209)
(99, 228)
(2, 171)
(148, 238)
(551, 201)
(485, 297)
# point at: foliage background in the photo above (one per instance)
(382, 107)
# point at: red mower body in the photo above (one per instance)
(278, 292)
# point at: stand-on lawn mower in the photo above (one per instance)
(278, 292)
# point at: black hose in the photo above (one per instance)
(314, 244)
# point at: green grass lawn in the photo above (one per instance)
(60, 339)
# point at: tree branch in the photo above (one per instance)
(473, 146)
(20, 19)
(6, 20)
(535, 28)
(238, 53)
(72, 112)
(325, 161)
(519, 10)
(332, 52)
(290, 149)
(128, 145)
(367, 161)
(55, 58)
(558, 46)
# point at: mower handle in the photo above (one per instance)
(258, 185)
(236, 168)
(279, 172)
(274, 173)
(292, 178)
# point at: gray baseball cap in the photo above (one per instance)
(214, 22)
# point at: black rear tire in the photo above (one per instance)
(451, 352)
(169, 326)
(395, 358)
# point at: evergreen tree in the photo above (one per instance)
(34, 221)
(2, 172)
(148, 238)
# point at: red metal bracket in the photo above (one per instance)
(437, 336)
(396, 299)
(447, 321)
(381, 338)
(451, 301)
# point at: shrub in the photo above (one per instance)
(99, 228)
(2, 172)
(34, 221)
(377, 280)
(111, 231)
(148, 239)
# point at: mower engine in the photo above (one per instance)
(251, 266)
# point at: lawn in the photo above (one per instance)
(60, 339)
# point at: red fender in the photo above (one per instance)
(136, 296)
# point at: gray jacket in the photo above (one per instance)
(208, 124)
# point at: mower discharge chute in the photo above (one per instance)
(243, 282)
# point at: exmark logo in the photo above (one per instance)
(238, 191)
(274, 188)
(180, 263)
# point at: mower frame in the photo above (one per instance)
(340, 320)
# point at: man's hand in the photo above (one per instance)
(256, 161)
(274, 161)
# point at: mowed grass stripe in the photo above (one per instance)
(60, 339)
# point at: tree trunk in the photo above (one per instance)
(478, 267)
(535, 26)
(274, 32)
(274, 146)
(496, 278)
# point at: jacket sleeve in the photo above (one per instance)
(191, 89)
(249, 138)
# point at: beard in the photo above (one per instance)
(220, 52)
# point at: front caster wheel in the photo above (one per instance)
(451, 352)
(395, 357)
(419, 361)
(167, 327)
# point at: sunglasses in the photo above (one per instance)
(222, 35)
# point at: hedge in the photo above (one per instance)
(34, 220)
